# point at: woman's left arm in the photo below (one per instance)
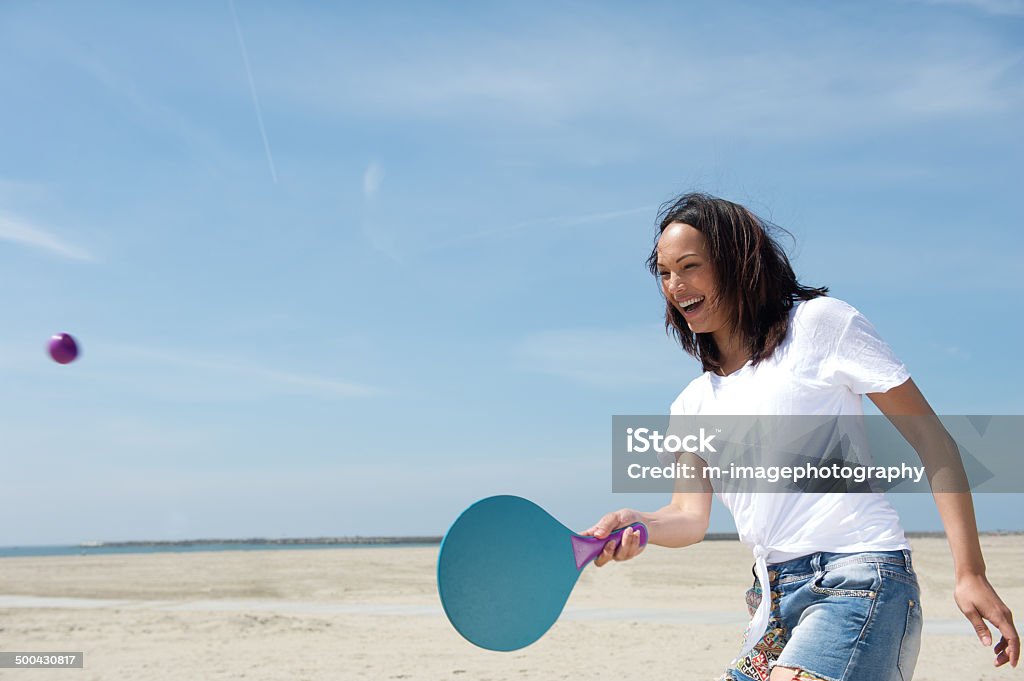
(911, 414)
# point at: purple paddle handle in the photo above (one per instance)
(586, 549)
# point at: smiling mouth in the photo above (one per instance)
(690, 304)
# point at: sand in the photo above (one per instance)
(372, 613)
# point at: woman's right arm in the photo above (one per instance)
(684, 521)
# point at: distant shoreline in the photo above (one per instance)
(255, 542)
(347, 541)
(435, 539)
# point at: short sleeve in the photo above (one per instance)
(861, 360)
(679, 425)
(675, 415)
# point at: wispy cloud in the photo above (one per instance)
(990, 266)
(553, 221)
(20, 231)
(1013, 8)
(122, 76)
(954, 351)
(20, 190)
(565, 221)
(377, 234)
(249, 373)
(154, 111)
(372, 178)
(607, 358)
(553, 79)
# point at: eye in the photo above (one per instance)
(662, 274)
(690, 266)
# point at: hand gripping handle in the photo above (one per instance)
(586, 549)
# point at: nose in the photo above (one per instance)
(674, 284)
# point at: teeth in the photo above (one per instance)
(691, 301)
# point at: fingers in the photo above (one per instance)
(1008, 648)
(606, 555)
(624, 547)
(605, 526)
(630, 545)
(1002, 657)
(979, 627)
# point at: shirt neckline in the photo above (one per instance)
(715, 378)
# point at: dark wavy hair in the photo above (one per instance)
(754, 277)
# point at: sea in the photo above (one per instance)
(195, 545)
(99, 549)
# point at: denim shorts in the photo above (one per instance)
(838, 617)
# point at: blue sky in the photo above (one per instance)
(339, 270)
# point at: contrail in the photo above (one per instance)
(252, 91)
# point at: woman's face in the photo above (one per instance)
(688, 278)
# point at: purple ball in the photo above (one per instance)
(63, 348)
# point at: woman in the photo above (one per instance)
(844, 602)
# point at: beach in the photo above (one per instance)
(373, 613)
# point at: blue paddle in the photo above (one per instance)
(506, 569)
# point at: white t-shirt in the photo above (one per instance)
(830, 357)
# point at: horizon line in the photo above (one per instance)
(389, 539)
